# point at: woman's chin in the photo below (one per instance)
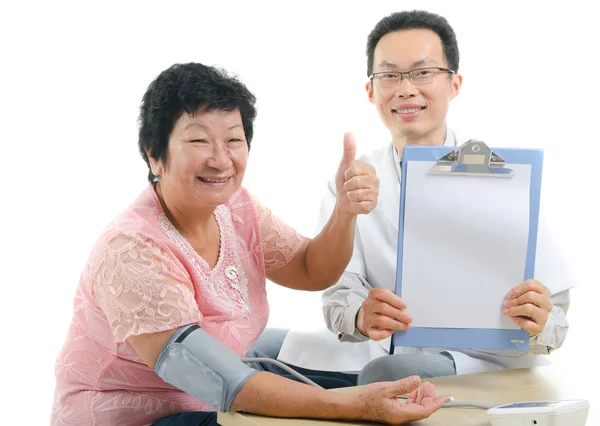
(216, 197)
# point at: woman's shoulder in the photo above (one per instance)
(139, 222)
(242, 200)
(245, 212)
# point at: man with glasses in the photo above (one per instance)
(412, 65)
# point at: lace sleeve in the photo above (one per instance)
(280, 241)
(141, 290)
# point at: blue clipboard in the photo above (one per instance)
(467, 160)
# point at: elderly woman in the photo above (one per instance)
(173, 294)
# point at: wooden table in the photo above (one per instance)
(494, 388)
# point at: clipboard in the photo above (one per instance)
(492, 199)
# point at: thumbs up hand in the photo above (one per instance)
(356, 182)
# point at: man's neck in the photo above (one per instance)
(436, 137)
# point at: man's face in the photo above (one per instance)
(408, 109)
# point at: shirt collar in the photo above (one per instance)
(449, 141)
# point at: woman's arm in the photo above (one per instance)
(271, 395)
(268, 394)
(320, 262)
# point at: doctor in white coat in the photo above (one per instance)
(413, 76)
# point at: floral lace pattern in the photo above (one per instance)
(139, 291)
(226, 281)
(144, 277)
(280, 242)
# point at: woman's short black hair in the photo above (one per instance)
(187, 88)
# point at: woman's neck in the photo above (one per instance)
(187, 222)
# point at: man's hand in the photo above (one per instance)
(382, 313)
(528, 306)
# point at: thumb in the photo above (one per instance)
(349, 150)
(406, 385)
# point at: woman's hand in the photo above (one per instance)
(357, 185)
(379, 402)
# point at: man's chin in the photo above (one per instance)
(410, 132)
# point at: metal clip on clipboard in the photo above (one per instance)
(473, 158)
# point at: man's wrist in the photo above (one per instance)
(360, 322)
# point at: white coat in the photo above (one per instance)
(374, 257)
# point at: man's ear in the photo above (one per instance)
(456, 85)
(369, 88)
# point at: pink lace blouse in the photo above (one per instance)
(144, 277)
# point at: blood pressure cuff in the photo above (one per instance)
(198, 364)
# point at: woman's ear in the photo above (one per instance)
(155, 166)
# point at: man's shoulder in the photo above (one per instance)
(378, 155)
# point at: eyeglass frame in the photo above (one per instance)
(401, 73)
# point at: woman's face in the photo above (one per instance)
(206, 159)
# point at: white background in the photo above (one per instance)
(72, 77)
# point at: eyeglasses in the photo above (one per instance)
(417, 76)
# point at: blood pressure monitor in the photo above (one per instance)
(540, 413)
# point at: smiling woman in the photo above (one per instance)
(207, 158)
(173, 293)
